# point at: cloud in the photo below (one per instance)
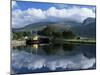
(14, 4)
(21, 59)
(21, 18)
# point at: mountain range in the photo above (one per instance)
(85, 29)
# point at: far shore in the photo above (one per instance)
(15, 43)
(80, 41)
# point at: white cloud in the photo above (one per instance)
(31, 15)
(32, 62)
(14, 4)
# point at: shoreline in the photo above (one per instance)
(74, 41)
(56, 41)
(18, 43)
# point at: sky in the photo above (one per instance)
(24, 13)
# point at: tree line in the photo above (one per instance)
(47, 31)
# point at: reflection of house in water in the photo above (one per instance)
(35, 46)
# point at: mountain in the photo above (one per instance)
(88, 21)
(34, 26)
(41, 25)
(85, 29)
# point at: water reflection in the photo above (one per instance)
(52, 57)
(35, 46)
(47, 49)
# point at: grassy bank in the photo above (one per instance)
(81, 41)
(58, 41)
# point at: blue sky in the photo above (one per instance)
(23, 5)
(25, 12)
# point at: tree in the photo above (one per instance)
(57, 34)
(68, 34)
(46, 31)
(20, 35)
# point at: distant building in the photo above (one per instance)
(35, 37)
(26, 37)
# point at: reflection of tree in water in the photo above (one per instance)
(48, 49)
(57, 48)
(51, 49)
(68, 47)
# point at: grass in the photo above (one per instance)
(82, 41)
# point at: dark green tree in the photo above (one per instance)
(68, 34)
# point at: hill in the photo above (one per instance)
(85, 29)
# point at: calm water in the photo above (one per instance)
(51, 58)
